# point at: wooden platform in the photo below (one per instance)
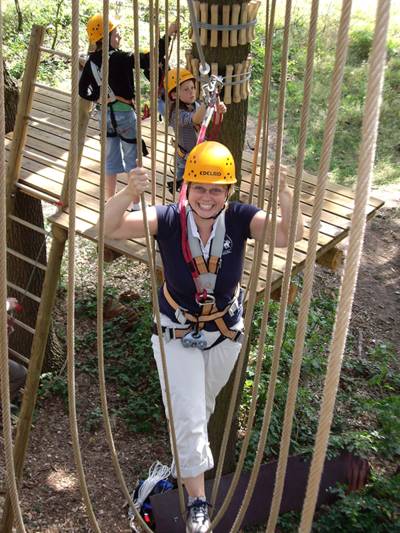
(46, 154)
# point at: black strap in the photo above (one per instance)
(220, 339)
(116, 134)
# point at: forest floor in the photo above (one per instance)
(50, 496)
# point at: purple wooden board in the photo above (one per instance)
(166, 506)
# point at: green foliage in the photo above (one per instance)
(53, 385)
(129, 366)
(348, 132)
(375, 508)
(366, 419)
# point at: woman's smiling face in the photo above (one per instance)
(207, 199)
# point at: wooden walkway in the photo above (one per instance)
(42, 174)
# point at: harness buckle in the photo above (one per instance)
(203, 298)
(179, 315)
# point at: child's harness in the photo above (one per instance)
(112, 98)
(204, 274)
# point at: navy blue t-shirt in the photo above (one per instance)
(177, 275)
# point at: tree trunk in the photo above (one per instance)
(233, 129)
(232, 134)
(33, 245)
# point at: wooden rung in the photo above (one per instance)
(26, 224)
(49, 162)
(24, 292)
(19, 356)
(26, 259)
(23, 326)
(51, 124)
(55, 52)
(51, 89)
(36, 194)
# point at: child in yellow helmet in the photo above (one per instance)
(121, 115)
(189, 118)
(201, 345)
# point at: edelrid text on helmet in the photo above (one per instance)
(171, 80)
(94, 27)
(210, 162)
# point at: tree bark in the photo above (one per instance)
(33, 245)
(232, 134)
(233, 128)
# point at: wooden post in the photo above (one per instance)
(85, 107)
(234, 22)
(196, 5)
(236, 88)
(228, 87)
(203, 18)
(243, 20)
(35, 364)
(24, 109)
(226, 10)
(214, 21)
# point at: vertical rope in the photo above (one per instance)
(153, 99)
(152, 269)
(260, 114)
(72, 179)
(264, 323)
(333, 107)
(5, 382)
(265, 116)
(166, 112)
(356, 238)
(100, 279)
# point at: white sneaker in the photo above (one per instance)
(197, 520)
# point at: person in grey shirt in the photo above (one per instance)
(188, 119)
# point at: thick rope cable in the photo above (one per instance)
(287, 275)
(72, 180)
(329, 133)
(265, 117)
(100, 278)
(266, 80)
(273, 202)
(12, 486)
(152, 262)
(177, 105)
(356, 239)
(153, 98)
(166, 111)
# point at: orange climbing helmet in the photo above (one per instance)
(94, 27)
(210, 162)
(171, 80)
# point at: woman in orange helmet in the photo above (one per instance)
(201, 242)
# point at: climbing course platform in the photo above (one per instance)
(46, 154)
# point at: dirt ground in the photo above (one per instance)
(50, 495)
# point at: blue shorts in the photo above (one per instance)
(180, 167)
(121, 151)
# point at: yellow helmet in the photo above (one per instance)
(94, 27)
(172, 78)
(210, 162)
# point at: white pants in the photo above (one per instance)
(195, 379)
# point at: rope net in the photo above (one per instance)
(367, 152)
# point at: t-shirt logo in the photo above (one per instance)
(228, 245)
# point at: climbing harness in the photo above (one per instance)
(204, 275)
(112, 99)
